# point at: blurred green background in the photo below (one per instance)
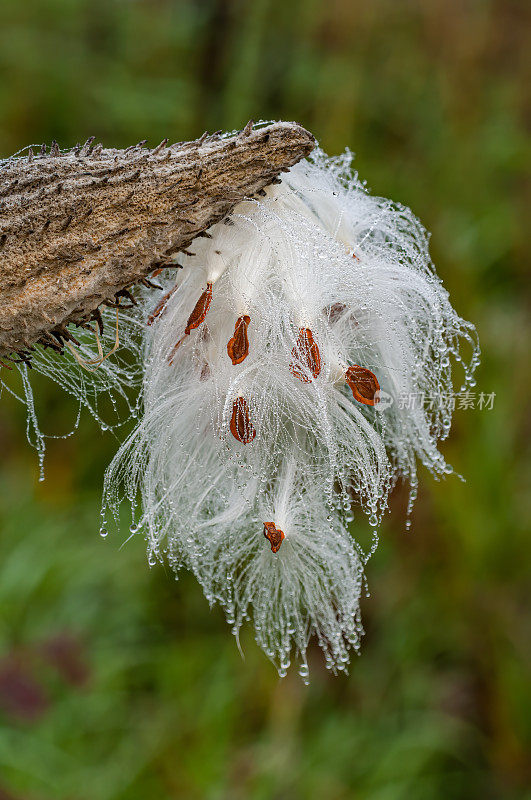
(116, 682)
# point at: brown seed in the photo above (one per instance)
(274, 535)
(335, 311)
(161, 305)
(205, 372)
(195, 319)
(238, 345)
(306, 354)
(241, 426)
(200, 310)
(174, 350)
(364, 384)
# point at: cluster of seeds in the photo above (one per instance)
(270, 378)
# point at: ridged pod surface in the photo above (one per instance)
(78, 228)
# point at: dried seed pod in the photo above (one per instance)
(286, 260)
(109, 213)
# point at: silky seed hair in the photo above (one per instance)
(104, 378)
(272, 374)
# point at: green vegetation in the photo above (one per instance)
(116, 682)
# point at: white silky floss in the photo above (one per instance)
(263, 426)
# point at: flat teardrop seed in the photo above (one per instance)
(305, 354)
(274, 535)
(364, 385)
(241, 426)
(161, 305)
(200, 310)
(238, 345)
(195, 319)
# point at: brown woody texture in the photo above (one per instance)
(78, 229)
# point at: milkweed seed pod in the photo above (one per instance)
(81, 228)
(271, 386)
